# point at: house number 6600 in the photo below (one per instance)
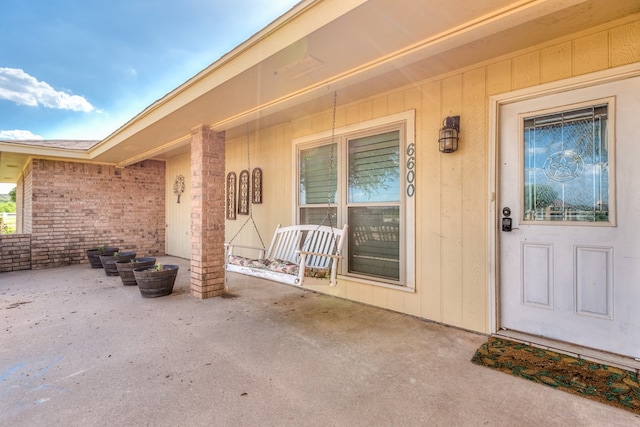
(411, 173)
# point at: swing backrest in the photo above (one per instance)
(285, 242)
(320, 240)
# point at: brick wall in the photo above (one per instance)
(15, 252)
(77, 206)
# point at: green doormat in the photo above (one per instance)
(602, 383)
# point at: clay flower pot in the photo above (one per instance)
(156, 281)
(125, 269)
(94, 255)
(109, 261)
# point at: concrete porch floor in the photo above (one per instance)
(77, 348)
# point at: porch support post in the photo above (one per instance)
(207, 212)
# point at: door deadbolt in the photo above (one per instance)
(506, 221)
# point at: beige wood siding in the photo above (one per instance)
(451, 190)
(178, 215)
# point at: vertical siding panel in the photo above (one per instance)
(412, 98)
(590, 53)
(341, 114)
(353, 291)
(474, 201)
(327, 120)
(625, 44)
(352, 115)
(340, 290)
(526, 70)
(365, 294)
(380, 296)
(380, 106)
(395, 102)
(365, 111)
(499, 78)
(277, 172)
(412, 303)
(555, 62)
(260, 157)
(295, 128)
(307, 126)
(394, 300)
(451, 209)
(317, 123)
(428, 228)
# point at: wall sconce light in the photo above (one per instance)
(448, 140)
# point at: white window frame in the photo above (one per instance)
(405, 123)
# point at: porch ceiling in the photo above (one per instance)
(358, 47)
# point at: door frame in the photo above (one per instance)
(495, 102)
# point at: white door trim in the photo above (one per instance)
(495, 102)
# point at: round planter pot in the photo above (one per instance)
(94, 255)
(152, 283)
(125, 269)
(109, 261)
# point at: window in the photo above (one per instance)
(364, 176)
(566, 166)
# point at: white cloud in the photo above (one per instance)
(17, 135)
(21, 88)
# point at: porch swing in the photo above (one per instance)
(296, 252)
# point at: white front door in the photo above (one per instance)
(569, 173)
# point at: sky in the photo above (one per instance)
(79, 69)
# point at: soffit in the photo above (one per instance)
(11, 166)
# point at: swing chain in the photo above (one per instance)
(328, 216)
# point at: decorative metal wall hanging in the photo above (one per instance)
(178, 186)
(230, 209)
(256, 179)
(244, 190)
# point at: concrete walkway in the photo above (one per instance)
(77, 348)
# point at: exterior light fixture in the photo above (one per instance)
(448, 140)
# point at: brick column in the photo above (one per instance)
(207, 212)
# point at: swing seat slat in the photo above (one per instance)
(296, 252)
